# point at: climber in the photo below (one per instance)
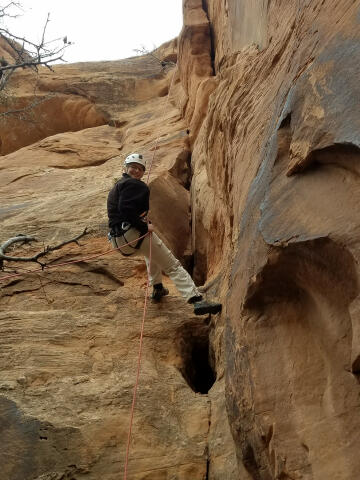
(128, 204)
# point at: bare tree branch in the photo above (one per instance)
(19, 238)
(8, 36)
(25, 53)
(22, 53)
(44, 30)
(28, 109)
(27, 239)
(4, 13)
(144, 51)
(31, 63)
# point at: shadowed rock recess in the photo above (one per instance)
(255, 186)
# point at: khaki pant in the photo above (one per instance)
(162, 260)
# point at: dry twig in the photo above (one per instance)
(144, 51)
(28, 239)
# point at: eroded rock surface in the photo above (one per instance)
(278, 153)
(78, 96)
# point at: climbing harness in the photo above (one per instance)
(120, 233)
(127, 243)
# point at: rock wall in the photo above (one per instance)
(277, 154)
(254, 185)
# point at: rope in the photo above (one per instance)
(138, 371)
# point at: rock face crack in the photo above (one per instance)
(207, 469)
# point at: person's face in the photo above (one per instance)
(135, 170)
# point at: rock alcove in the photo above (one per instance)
(197, 357)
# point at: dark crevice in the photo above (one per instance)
(187, 183)
(207, 468)
(355, 370)
(212, 49)
(199, 258)
(286, 121)
(205, 7)
(197, 357)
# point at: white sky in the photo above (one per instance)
(101, 29)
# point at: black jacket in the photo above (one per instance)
(127, 201)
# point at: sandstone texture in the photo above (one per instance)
(254, 142)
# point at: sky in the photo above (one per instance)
(102, 29)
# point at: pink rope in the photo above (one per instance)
(137, 372)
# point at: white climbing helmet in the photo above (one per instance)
(135, 158)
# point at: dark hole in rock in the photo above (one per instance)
(356, 368)
(286, 121)
(163, 92)
(197, 357)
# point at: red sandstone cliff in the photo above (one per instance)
(256, 178)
